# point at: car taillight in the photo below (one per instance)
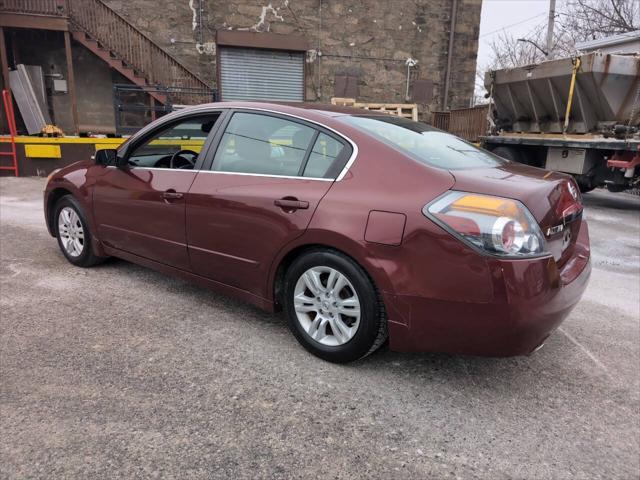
(496, 225)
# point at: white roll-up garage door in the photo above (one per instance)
(255, 74)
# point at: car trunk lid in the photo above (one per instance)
(552, 198)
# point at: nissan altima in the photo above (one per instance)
(363, 227)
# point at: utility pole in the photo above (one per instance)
(552, 17)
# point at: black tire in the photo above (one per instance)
(615, 188)
(585, 183)
(372, 329)
(87, 257)
(509, 153)
(586, 188)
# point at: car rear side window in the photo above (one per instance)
(263, 144)
(326, 150)
(424, 143)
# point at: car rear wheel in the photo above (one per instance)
(333, 308)
(72, 231)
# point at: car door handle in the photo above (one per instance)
(291, 204)
(172, 195)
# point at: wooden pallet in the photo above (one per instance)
(406, 110)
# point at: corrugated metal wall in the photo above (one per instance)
(253, 74)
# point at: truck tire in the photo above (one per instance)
(616, 188)
(585, 183)
(509, 153)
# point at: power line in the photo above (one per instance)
(513, 25)
(535, 30)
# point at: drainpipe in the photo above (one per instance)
(410, 62)
(319, 52)
(447, 74)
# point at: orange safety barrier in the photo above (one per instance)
(11, 121)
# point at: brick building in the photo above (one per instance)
(422, 51)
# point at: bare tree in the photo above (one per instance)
(508, 52)
(578, 21)
(591, 19)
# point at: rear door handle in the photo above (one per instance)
(172, 195)
(291, 204)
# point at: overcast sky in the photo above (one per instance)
(511, 16)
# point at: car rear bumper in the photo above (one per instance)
(530, 300)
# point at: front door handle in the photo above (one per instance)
(172, 195)
(291, 204)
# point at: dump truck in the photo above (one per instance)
(577, 115)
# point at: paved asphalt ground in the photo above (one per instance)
(118, 371)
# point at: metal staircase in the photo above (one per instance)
(116, 41)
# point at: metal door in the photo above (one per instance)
(252, 74)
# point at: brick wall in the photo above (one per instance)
(369, 39)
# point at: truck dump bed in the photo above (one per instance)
(533, 99)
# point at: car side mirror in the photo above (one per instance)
(106, 156)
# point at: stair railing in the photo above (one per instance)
(116, 35)
(138, 51)
(36, 7)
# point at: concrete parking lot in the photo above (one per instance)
(118, 371)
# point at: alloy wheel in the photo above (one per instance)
(71, 231)
(327, 306)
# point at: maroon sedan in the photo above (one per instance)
(361, 226)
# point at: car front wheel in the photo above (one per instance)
(333, 308)
(72, 231)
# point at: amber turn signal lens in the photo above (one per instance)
(496, 225)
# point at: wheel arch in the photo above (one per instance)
(54, 196)
(347, 247)
(282, 267)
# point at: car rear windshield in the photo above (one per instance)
(425, 143)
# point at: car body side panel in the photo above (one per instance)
(235, 228)
(341, 222)
(132, 215)
(388, 181)
(199, 280)
(343, 242)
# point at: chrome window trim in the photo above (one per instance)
(187, 170)
(292, 177)
(134, 167)
(354, 146)
(167, 119)
(205, 108)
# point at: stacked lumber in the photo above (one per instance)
(406, 110)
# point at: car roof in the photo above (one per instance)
(290, 107)
(312, 112)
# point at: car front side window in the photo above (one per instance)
(176, 145)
